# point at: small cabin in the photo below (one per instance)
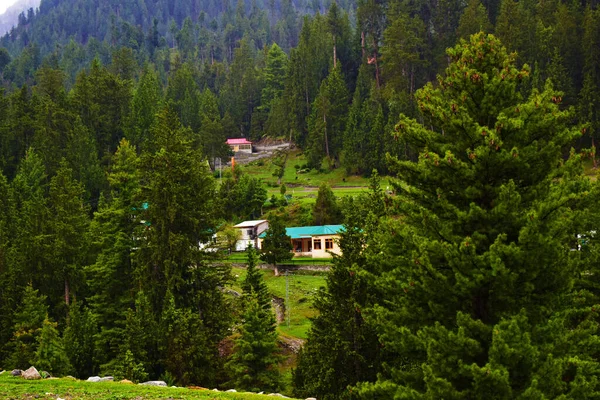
(240, 145)
(250, 231)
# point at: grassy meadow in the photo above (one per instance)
(303, 184)
(303, 285)
(71, 389)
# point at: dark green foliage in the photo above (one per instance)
(182, 289)
(342, 347)
(79, 341)
(111, 239)
(253, 365)
(477, 277)
(276, 246)
(328, 120)
(190, 356)
(50, 354)
(254, 284)
(326, 210)
(242, 197)
(127, 368)
(28, 322)
(68, 224)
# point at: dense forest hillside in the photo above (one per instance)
(112, 116)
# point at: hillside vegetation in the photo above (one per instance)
(451, 138)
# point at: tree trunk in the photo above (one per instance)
(362, 44)
(67, 292)
(594, 162)
(334, 54)
(326, 140)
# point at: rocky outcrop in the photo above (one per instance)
(31, 373)
(154, 383)
(16, 372)
(99, 379)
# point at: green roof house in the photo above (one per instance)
(313, 241)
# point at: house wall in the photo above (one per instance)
(315, 253)
(323, 252)
(247, 237)
(241, 148)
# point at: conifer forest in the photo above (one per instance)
(470, 274)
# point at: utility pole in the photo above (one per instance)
(287, 297)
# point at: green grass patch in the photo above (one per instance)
(69, 389)
(296, 174)
(302, 287)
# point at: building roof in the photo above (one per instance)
(250, 224)
(304, 232)
(238, 141)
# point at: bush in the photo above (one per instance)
(127, 368)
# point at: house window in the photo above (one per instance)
(328, 244)
(317, 244)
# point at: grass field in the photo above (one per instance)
(70, 389)
(304, 184)
(302, 287)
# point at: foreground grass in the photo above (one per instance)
(69, 389)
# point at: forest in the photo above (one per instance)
(473, 276)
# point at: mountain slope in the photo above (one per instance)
(10, 17)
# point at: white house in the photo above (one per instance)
(250, 230)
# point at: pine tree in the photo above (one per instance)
(10, 275)
(50, 355)
(276, 245)
(80, 341)
(478, 271)
(170, 265)
(253, 365)
(111, 237)
(254, 282)
(326, 210)
(342, 348)
(68, 224)
(473, 19)
(28, 322)
(274, 76)
(145, 104)
(327, 121)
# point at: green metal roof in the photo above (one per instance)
(300, 232)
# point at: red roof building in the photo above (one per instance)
(240, 145)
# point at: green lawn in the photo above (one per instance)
(300, 177)
(69, 389)
(302, 285)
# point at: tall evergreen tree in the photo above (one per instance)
(170, 266)
(276, 245)
(254, 282)
(253, 365)
(342, 348)
(68, 224)
(478, 272)
(328, 120)
(28, 322)
(112, 240)
(50, 355)
(326, 210)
